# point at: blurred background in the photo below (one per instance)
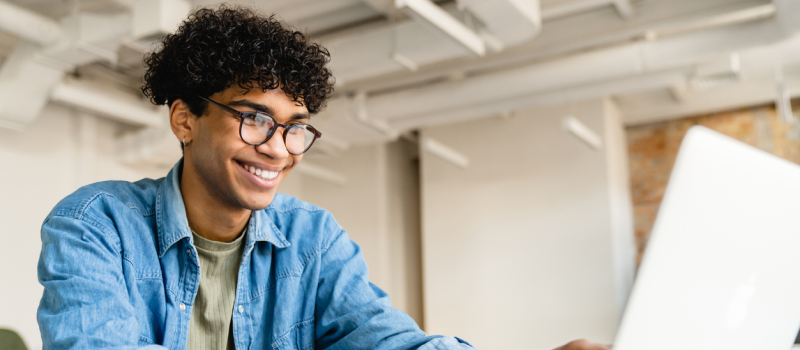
(501, 162)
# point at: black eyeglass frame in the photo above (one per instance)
(243, 115)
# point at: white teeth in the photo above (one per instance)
(264, 174)
(269, 175)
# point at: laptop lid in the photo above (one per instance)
(722, 267)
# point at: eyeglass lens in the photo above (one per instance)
(257, 127)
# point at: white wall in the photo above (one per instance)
(55, 155)
(517, 249)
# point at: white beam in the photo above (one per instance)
(429, 14)
(303, 9)
(24, 84)
(158, 17)
(506, 23)
(29, 25)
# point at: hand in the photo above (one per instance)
(583, 344)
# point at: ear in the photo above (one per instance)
(182, 121)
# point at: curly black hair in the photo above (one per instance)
(216, 48)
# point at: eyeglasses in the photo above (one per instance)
(256, 128)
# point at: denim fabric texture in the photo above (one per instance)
(120, 270)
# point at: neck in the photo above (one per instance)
(208, 216)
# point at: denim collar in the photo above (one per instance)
(173, 225)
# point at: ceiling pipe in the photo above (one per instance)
(573, 7)
(551, 98)
(643, 65)
(586, 68)
(29, 25)
(117, 106)
(359, 103)
(746, 15)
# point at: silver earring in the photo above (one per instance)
(184, 142)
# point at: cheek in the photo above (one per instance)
(288, 169)
(221, 138)
(295, 161)
(215, 148)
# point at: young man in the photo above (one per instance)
(211, 257)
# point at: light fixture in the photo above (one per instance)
(582, 132)
(444, 152)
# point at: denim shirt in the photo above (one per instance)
(120, 270)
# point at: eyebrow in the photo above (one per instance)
(264, 108)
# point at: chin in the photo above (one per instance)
(258, 202)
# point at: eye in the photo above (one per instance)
(249, 119)
(297, 129)
(258, 119)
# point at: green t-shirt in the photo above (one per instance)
(211, 327)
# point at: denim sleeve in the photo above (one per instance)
(352, 313)
(85, 303)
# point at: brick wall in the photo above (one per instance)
(653, 147)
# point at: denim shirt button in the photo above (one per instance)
(183, 306)
(241, 309)
(188, 251)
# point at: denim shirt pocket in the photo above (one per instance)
(149, 305)
(299, 337)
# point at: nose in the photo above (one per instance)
(275, 147)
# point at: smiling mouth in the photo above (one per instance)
(264, 174)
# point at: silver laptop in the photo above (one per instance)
(722, 267)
